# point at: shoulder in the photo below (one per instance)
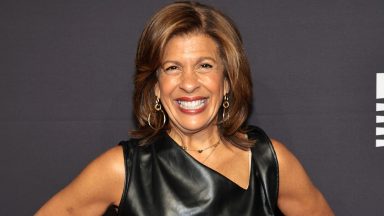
(103, 177)
(263, 146)
(289, 166)
(297, 194)
(284, 156)
(99, 185)
(110, 162)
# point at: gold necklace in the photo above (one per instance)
(209, 155)
(185, 148)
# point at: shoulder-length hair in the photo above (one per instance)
(185, 18)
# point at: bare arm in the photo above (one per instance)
(297, 195)
(99, 185)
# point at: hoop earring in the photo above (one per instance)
(157, 108)
(225, 108)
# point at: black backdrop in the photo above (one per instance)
(66, 84)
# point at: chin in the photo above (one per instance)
(192, 127)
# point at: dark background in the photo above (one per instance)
(66, 71)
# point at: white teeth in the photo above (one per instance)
(191, 104)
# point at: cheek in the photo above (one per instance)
(166, 85)
(216, 83)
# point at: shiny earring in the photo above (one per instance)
(158, 109)
(225, 108)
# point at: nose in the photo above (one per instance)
(189, 81)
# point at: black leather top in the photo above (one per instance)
(162, 179)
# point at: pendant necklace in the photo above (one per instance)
(185, 148)
(209, 155)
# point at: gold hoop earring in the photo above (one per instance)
(158, 109)
(225, 108)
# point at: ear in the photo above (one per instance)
(227, 87)
(157, 90)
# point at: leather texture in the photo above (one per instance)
(162, 179)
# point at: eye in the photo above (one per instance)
(170, 68)
(206, 65)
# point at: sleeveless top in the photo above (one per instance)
(163, 179)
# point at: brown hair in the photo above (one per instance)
(185, 18)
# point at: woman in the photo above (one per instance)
(192, 153)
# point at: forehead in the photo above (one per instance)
(190, 45)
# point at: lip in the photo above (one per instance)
(191, 98)
(201, 104)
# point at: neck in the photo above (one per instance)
(196, 140)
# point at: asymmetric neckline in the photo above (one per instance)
(162, 179)
(211, 170)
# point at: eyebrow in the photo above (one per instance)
(200, 59)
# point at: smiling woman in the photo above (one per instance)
(191, 84)
(192, 153)
(183, 19)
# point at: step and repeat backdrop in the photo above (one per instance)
(66, 70)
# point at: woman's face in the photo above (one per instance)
(191, 82)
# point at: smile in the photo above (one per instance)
(191, 105)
